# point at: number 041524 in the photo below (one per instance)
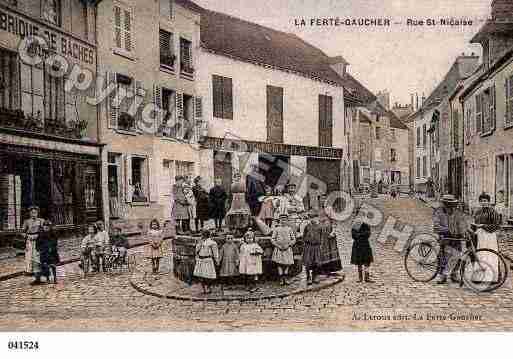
(22, 345)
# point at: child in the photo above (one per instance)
(87, 246)
(279, 203)
(101, 246)
(154, 250)
(312, 249)
(207, 256)
(217, 201)
(283, 239)
(250, 262)
(361, 254)
(229, 259)
(119, 243)
(267, 210)
(48, 252)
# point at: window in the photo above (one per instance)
(274, 114)
(186, 56)
(222, 97)
(166, 8)
(139, 179)
(378, 133)
(50, 11)
(325, 121)
(424, 135)
(418, 167)
(123, 22)
(114, 184)
(393, 155)
(418, 136)
(169, 106)
(32, 90)
(185, 169)
(468, 123)
(479, 113)
(9, 81)
(90, 187)
(127, 92)
(485, 111)
(167, 56)
(508, 88)
(424, 166)
(54, 97)
(455, 129)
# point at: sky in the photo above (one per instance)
(401, 59)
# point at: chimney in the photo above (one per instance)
(502, 10)
(339, 65)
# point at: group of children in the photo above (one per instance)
(97, 244)
(244, 259)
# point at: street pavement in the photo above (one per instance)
(394, 302)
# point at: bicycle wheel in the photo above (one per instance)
(421, 261)
(484, 271)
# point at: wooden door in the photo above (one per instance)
(274, 114)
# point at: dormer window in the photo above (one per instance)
(50, 11)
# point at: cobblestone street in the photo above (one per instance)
(108, 302)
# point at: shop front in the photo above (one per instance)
(60, 176)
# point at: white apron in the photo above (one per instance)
(488, 240)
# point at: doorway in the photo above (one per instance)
(274, 169)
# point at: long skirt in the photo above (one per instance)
(330, 256)
(490, 261)
(32, 258)
(361, 253)
(312, 255)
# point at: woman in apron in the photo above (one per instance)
(31, 228)
(487, 221)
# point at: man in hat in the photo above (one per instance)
(448, 222)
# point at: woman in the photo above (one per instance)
(361, 254)
(181, 212)
(32, 227)
(330, 256)
(312, 248)
(487, 221)
(217, 202)
(202, 209)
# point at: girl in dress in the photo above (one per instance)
(207, 257)
(361, 254)
(154, 249)
(250, 259)
(229, 259)
(312, 248)
(283, 239)
(267, 209)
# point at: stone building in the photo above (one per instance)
(148, 53)
(488, 114)
(403, 112)
(276, 102)
(49, 146)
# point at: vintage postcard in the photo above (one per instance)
(239, 165)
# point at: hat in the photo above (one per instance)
(33, 207)
(449, 199)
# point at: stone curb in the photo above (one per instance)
(313, 288)
(13, 275)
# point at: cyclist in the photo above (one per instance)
(448, 222)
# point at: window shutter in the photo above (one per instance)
(139, 100)
(479, 113)
(38, 91)
(117, 26)
(166, 8)
(153, 177)
(157, 100)
(227, 98)
(179, 115)
(128, 179)
(508, 95)
(127, 30)
(113, 101)
(217, 96)
(493, 120)
(329, 121)
(198, 108)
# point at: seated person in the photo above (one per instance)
(119, 243)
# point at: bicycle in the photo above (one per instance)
(473, 267)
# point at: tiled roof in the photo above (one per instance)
(493, 27)
(250, 42)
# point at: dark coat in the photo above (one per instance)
(217, 202)
(202, 206)
(362, 252)
(254, 189)
(330, 256)
(47, 245)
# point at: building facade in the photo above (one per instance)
(50, 151)
(274, 102)
(148, 55)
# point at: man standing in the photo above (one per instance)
(181, 211)
(217, 200)
(448, 222)
(254, 190)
